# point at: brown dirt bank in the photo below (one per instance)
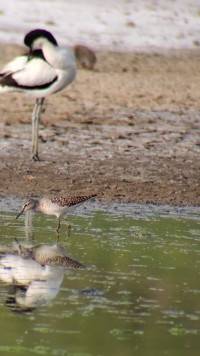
(128, 131)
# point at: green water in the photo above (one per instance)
(140, 294)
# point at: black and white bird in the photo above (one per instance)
(46, 69)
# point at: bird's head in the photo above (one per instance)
(28, 205)
(35, 39)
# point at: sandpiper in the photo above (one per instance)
(47, 253)
(54, 206)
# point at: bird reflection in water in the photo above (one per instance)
(35, 273)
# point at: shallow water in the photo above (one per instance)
(140, 294)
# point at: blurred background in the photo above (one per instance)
(119, 25)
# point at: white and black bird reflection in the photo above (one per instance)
(46, 69)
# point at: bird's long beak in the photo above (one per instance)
(30, 53)
(21, 212)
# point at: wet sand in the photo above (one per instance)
(128, 131)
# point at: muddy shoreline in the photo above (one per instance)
(128, 131)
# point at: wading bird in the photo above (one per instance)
(54, 206)
(45, 70)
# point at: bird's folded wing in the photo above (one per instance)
(35, 73)
(15, 65)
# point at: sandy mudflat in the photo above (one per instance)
(129, 131)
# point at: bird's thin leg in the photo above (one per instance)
(35, 127)
(34, 147)
(68, 227)
(58, 227)
(58, 235)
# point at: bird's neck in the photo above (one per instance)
(49, 52)
(37, 206)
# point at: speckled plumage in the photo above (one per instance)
(54, 205)
(48, 254)
(68, 201)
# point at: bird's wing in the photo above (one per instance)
(70, 201)
(36, 73)
(13, 66)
